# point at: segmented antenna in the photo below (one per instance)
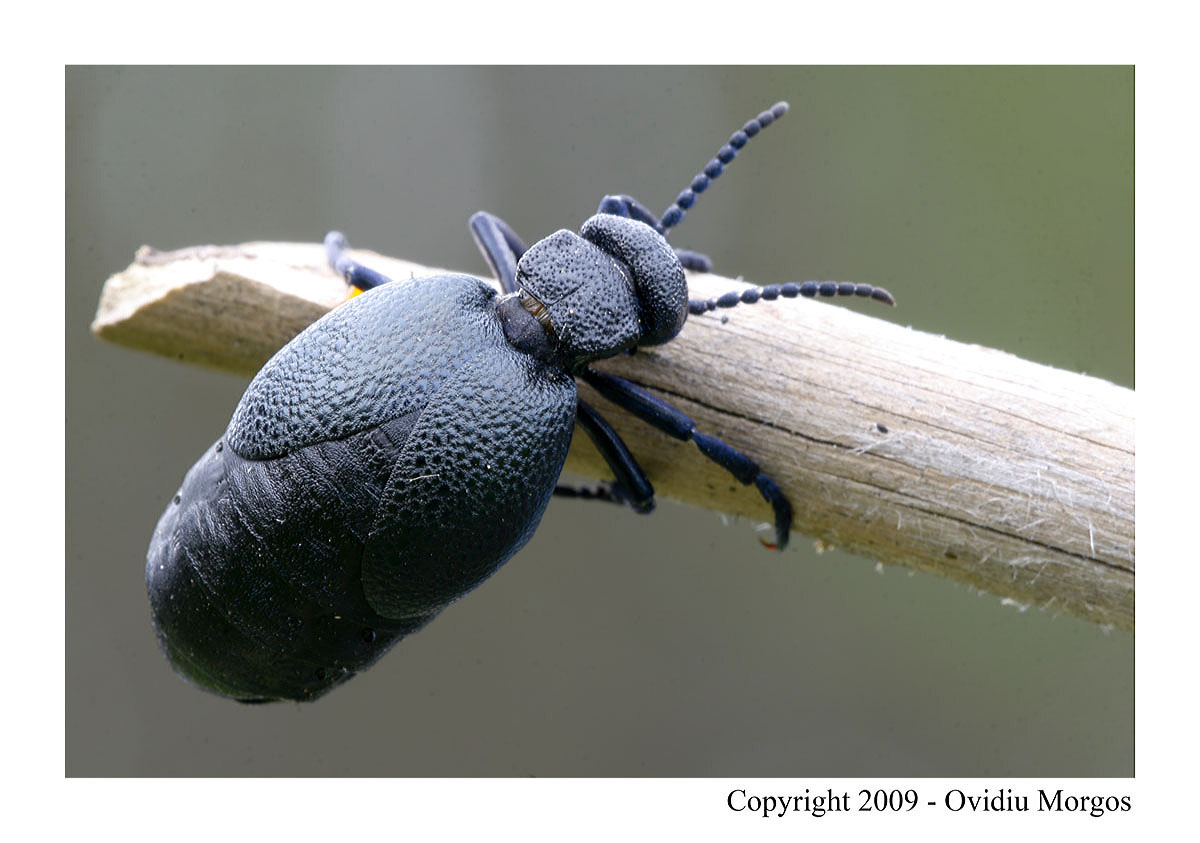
(675, 214)
(808, 289)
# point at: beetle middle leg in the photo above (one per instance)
(671, 421)
(631, 486)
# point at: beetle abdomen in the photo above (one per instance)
(291, 561)
(254, 571)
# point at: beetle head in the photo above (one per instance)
(657, 274)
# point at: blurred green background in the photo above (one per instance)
(995, 203)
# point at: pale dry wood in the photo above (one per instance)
(1009, 476)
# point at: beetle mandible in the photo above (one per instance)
(363, 486)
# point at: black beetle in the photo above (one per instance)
(393, 455)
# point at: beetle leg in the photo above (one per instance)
(671, 421)
(612, 492)
(626, 206)
(356, 275)
(500, 245)
(631, 486)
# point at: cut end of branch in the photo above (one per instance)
(224, 307)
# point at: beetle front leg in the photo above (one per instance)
(624, 205)
(500, 246)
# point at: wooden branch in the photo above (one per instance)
(908, 448)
